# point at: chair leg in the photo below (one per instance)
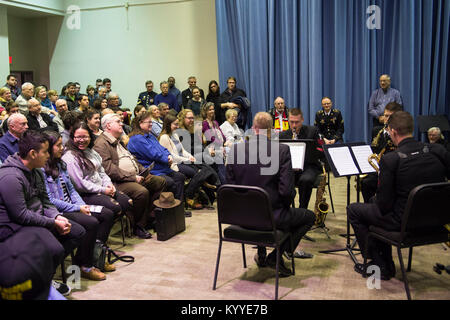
(277, 268)
(217, 264)
(329, 192)
(405, 279)
(409, 259)
(243, 256)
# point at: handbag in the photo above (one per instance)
(103, 252)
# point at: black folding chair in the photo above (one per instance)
(426, 213)
(248, 211)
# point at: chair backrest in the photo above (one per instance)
(245, 206)
(428, 207)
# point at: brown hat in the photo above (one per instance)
(166, 200)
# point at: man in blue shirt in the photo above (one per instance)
(17, 125)
(166, 97)
(380, 98)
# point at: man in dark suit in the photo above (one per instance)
(413, 163)
(147, 98)
(186, 95)
(276, 178)
(38, 120)
(304, 180)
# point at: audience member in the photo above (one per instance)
(214, 97)
(84, 165)
(22, 99)
(5, 97)
(163, 110)
(100, 104)
(184, 161)
(329, 122)
(90, 91)
(186, 95)
(157, 123)
(66, 199)
(215, 139)
(93, 121)
(139, 109)
(147, 150)
(10, 109)
(128, 175)
(38, 120)
(70, 118)
(175, 91)
(147, 98)
(40, 93)
(166, 97)
(230, 129)
(279, 115)
(71, 96)
(9, 143)
(233, 98)
(196, 102)
(435, 136)
(380, 98)
(83, 103)
(52, 96)
(61, 108)
(30, 206)
(113, 101)
(11, 83)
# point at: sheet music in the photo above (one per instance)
(297, 155)
(362, 154)
(343, 161)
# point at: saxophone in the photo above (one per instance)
(321, 207)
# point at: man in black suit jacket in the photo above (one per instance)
(311, 169)
(413, 163)
(186, 95)
(275, 177)
(37, 120)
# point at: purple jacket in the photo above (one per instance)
(23, 198)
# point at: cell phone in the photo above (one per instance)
(96, 209)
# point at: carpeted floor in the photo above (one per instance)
(182, 268)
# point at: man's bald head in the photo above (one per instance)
(262, 123)
(279, 104)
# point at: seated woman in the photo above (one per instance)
(85, 169)
(185, 161)
(147, 150)
(157, 123)
(66, 199)
(230, 129)
(93, 121)
(215, 139)
(196, 102)
(139, 109)
(40, 93)
(5, 97)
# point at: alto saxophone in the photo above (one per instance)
(321, 206)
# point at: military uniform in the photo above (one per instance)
(331, 125)
(146, 98)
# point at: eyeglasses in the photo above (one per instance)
(189, 118)
(81, 138)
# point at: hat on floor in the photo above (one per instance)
(166, 200)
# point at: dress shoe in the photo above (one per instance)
(282, 269)
(142, 233)
(109, 267)
(194, 205)
(187, 214)
(299, 254)
(93, 274)
(361, 268)
(260, 261)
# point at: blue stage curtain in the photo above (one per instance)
(305, 50)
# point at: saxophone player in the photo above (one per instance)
(413, 163)
(381, 142)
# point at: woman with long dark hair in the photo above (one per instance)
(199, 174)
(66, 199)
(84, 165)
(214, 97)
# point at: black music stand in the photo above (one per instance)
(347, 160)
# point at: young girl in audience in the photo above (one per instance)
(84, 165)
(93, 121)
(199, 174)
(196, 102)
(66, 199)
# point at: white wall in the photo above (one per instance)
(151, 42)
(4, 46)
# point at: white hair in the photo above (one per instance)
(15, 117)
(27, 85)
(107, 118)
(33, 100)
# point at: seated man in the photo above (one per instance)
(9, 143)
(280, 115)
(127, 174)
(38, 120)
(329, 122)
(146, 148)
(304, 180)
(279, 184)
(413, 163)
(167, 97)
(381, 143)
(30, 206)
